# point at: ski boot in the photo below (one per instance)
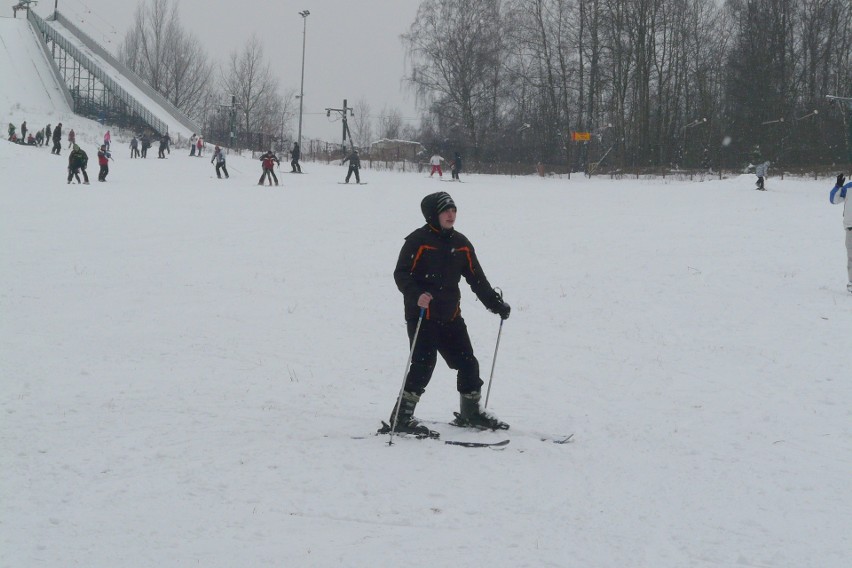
(406, 423)
(472, 416)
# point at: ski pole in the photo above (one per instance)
(405, 375)
(493, 362)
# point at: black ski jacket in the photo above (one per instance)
(434, 262)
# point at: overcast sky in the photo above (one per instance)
(353, 47)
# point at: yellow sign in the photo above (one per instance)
(581, 136)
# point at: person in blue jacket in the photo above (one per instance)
(841, 193)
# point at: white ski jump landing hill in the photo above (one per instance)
(25, 68)
(176, 128)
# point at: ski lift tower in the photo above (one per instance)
(848, 101)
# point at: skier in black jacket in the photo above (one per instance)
(428, 271)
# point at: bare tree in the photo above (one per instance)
(390, 123)
(248, 77)
(166, 56)
(361, 124)
(454, 48)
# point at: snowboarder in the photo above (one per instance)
(457, 166)
(295, 153)
(842, 193)
(435, 161)
(57, 140)
(354, 165)
(431, 263)
(77, 162)
(219, 158)
(268, 162)
(103, 161)
(760, 171)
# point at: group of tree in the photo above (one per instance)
(240, 95)
(657, 83)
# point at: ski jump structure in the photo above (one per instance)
(100, 87)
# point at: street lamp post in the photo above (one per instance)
(304, 14)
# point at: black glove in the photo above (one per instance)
(840, 180)
(503, 310)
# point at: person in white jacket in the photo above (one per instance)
(841, 193)
(435, 161)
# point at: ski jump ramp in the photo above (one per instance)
(29, 76)
(151, 106)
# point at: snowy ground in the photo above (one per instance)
(185, 360)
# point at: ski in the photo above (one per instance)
(463, 444)
(500, 444)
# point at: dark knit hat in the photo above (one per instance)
(434, 204)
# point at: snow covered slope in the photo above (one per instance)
(28, 82)
(184, 362)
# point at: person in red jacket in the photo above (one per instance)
(268, 162)
(103, 161)
(431, 263)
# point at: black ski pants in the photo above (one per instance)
(104, 171)
(452, 341)
(221, 167)
(353, 170)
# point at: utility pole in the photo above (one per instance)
(343, 113)
(848, 100)
(232, 119)
(304, 14)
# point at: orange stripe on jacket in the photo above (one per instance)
(420, 253)
(469, 258)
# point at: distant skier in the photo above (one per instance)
(134, 147)
(103, 161)
(107, 140)
(295, 153)
(268, 162)
(192, 140)
(145, 142)
(57, 140)
(164, 146)
(199, 146)
(77, 162)
(435, 161)
(72, 138)
(219, 158)
(23, 131)
(354, 165)
(760, 171)
(11, 131)
(842, 193)
(457, 166)
(47, 133)
(39, 137)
